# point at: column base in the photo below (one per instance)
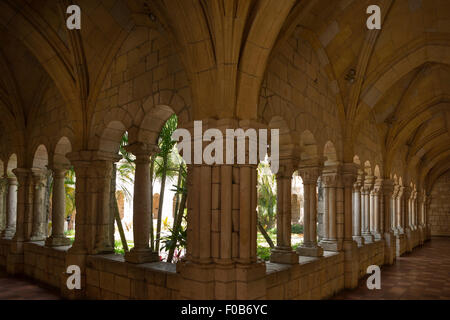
(57, 241)
(368, 238)
(310, 251)
(38, 237)
(141, 256)
(377, 236)
(359, 240)
(283, 256)
(8, 233)
(331, 245)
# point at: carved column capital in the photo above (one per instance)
(142, 151)
(310, 174)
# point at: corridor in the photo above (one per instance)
(423, 274)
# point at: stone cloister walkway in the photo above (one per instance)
(20, 289)
(423, 274)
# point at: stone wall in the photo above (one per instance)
(312, 278)
(370, 254)
(110, 277)
(440, 207)
(45, 264)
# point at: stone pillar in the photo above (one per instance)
(22, 177)
(400, 235)
(221, 258)
(93, 225)
(389, 250)
(142, 253)
(406, 207)
(28, 216)
(357, 212)
(3, 188)
(330, 181)
(350, 247)
(394, 208)
(376, 206)
(57, 237)
(368, 185)
(38, 232)
(11, 208)
(420, 199)
(309, 175)
(413, 210)
(427, 217)
(400, 211)
(283, 252)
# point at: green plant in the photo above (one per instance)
(297, 228)
(263, 253)
(175, 241)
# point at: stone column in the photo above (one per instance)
(221, 259)
(57, 237)
(394, 209)
(413, 210)
(39, 222)
(406, 205)
(350, 247)
(427, 217)
(141, 253)
(19, 237)
(11, 208)
(93, 225)
(28, 216)
(368, 185)
(309, 175)
(283, 252)
(3, 187)
(376, 200)
(357, 227)
(389, 251)
(330, 180)
(400, 235)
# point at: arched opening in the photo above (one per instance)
(63, 206)
(167, 185)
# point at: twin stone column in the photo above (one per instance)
(141, 252)
(57, 237)
(309, 175)
(11, 208)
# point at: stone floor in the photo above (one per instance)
(423, 274)
(21, 289)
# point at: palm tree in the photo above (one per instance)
(176, 239)
(165, 166)
(125, 170)
(267, 201)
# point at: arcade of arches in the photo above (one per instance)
(366, 112)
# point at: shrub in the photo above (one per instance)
(263, 253)
(297, 228)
